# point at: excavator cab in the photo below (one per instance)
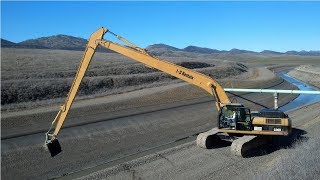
(235, 117)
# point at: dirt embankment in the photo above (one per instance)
(180, 91)
(31, 78)
(39, 78)
(307, 73)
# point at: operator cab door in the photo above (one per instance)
(244, 121)
(235, 117)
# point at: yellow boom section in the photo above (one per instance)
(193, 77)
(84, 64)
(138, 54)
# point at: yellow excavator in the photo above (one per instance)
(235, 121)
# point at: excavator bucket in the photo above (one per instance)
(54, 147)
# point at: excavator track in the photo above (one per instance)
(245, 145)
(209, 139)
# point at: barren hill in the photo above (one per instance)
(200, 50)
(161, 49)
(57, 42)
(270, 52)
(239, 51)
(6, 43)
(304, 53)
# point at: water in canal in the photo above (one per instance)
(302, 99)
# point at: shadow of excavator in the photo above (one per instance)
(270, 145)
(276, 143)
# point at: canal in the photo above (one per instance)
(302, 99)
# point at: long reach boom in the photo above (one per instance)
(139, 54)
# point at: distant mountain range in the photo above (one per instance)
(160, 49)
(66, 42)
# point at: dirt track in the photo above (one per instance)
(101, 134)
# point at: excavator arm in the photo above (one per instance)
(139, 54)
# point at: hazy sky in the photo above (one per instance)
(257, 26)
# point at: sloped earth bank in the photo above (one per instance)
(109, 73)
(307, 73)
(126, 127)
(299, 160)
(255, 77)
